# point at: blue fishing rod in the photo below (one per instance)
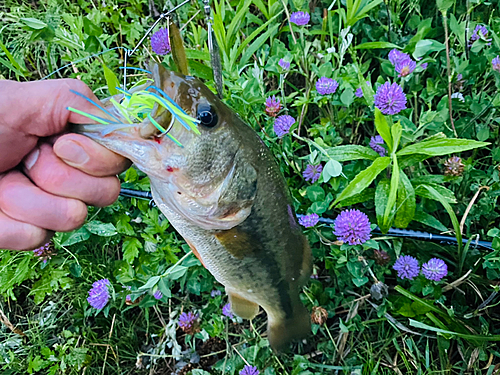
(392, 232)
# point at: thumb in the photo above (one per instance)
(40, 108)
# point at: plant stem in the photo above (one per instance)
(450, 108)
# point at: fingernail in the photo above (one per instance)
(71, 152)
(30, 160)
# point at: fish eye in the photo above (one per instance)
(207, 116)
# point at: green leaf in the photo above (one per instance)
(111, 80)
(15, 65)
(396, 131)
(150, 283)
(101, 229)
(424, 27)
(381, 198)
(437, 147)
(427, 45)
(351, 152)
(383, 128)
(315, 193)
(259, 42)
(347, 97)
(176, 272)
(391, 201)
(33, 23)
(91, 29)
(449, 209)
(130, 248)
(197, 54)
(364, 179)
(374, 45)
(71, 238)
(417, 324)
(444, 5)
(332, 169)
(446, 193)
(365, 195)
(200, 70)
(429, 220)
(406, 203)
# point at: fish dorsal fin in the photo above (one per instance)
(178, 51)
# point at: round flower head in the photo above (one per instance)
(158, 295)
(160, 42)
(300, 18)
(309, 221)
(359, 92)
(326, 86)
(479, 31)
(376, 145)
(407, 267)
(282, 125)
(44, 252)
(395, 56)
(312, 172)
(249, 370)
(435, 269)
(99, 294)
(495, 63)
(405, 66)
(454, 166)
(187, 321)
(353, 227)
(390, 99)
(273, 106)
(226, 310)
(285, 65)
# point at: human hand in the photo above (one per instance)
(62, 173)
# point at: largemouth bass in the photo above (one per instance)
(224, 193)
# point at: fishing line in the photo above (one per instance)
(393, 232)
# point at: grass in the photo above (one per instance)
(420, 327)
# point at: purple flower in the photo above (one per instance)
(309, 221)
(215, 292)
(460, 76)
(479, 31)
(390, 99)
(99, 294)
(375, 144)
(44, 252)
(249, 370)
(424, 66)
(407, 267)
(312, 172)
(495, 63)
(353, 227)
(282, 125)
(405, 66)
(160, 42)
(273, 106)
(285, 65)
(326, 86)
(187, 321)
(128, 298)
(300, 18)
(226, 311)
(395, 56)
(158, 295)
(359, 92)
(435, 269)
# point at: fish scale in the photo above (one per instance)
(224, 193)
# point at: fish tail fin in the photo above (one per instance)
(281, 332)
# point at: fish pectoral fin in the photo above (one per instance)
(242, 307)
